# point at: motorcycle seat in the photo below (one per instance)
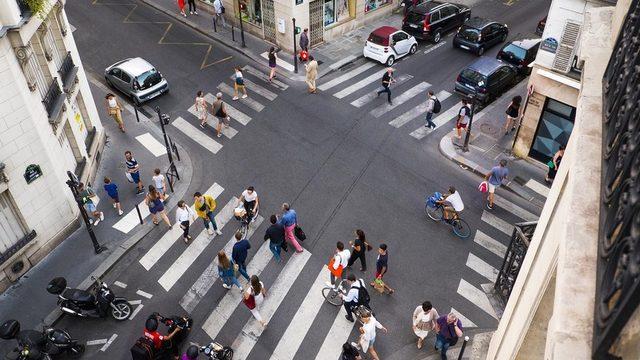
(78, 295)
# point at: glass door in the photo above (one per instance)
(554, 129)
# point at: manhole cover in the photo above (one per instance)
(489, 129)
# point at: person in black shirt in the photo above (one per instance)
(350, 352)
(387, 79)
(359, 247)
(275, 234)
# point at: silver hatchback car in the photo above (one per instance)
(136, 78)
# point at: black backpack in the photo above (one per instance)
(363, 295)
(436, 106)
(143, 349)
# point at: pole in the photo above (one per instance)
(73, 185)
(464, 345)
(241, 27)
(467, 137)
(233, 33)
(140, 214)
(295, 57)
(135, 109)
(163, 118)
(214, 24)
(530, 90)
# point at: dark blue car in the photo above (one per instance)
(486, 78)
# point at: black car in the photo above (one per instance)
(478, 34)
(541, 25)
(520, 53)
(486, 78)
(429, 20)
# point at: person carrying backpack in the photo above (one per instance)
(464, 116)
(433, 107)
(356, 296)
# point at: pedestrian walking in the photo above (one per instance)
(387, 80)
(204, 206)
(553, 165)
(133, 171)
(219, 10)
(239, 254)
(227, 272)
(311, 68)
(90, 200)
(449, 330)
(424, 320)
(272, 63)
(219, 110)
(253, 298)
(359, 246)
(289, 220)
(275, 235)
(238, 84)
(201, 108)
(156, 206)
(368, 334)
(192, 7)
(304, 40)
(513, 113)
(114, 109)
(494, 180)
(184, 216)
(431, 108)
(463, 118)
(382, 265)
(338, 263)
(112, 190)
(181, 7)
(350, 352)
(160, 184)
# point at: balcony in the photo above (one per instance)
(53, 101)
(68, 73)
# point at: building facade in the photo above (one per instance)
(49, 125)
(577, 289)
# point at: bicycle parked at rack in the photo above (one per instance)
(435, 211)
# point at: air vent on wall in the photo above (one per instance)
(567, 47)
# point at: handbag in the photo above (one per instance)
(129, 177)
(483, 187)
(369, 247)
(297, 231)
(550, 164)
(250, 302)
(335, 272)
(378, 284)
(222, 10)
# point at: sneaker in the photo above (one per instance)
(95, 223)
(139, 192)
(355, 345)
(120, 212)
(234, 98)
(219, 135)
(101, 215)
(218, 232)
(191, 12)
(209, 231)
(489, 206)
(350, 318)
(114, 205)
(195, 13)
(226, 286)
(245, 96)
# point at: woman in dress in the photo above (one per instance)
(115, 110)
(424, 320)
(553, 165)
(272, 63)
(181, 6)
(513, 112)
(156, 206)
(201, 108)
(368, 334)
(258, 293)
(227, 272)
(238, 84)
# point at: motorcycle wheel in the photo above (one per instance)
(227, 353)
(121, 310)
(76, 351)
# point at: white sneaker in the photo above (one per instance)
(234, 98)
(195, 13)
(226, 286)
(218, 232)
(95, 223)
(191, 12)
(245, 96)
(101, 215)
(209, 231)
(120, 212)
(114, 205)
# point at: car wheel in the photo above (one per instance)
(390, 60)
(436, 37)
(413, 49)
(480, 50)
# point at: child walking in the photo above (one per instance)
(112, 190)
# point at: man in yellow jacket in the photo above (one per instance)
(204, 206)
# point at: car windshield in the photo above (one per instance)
(469, 33)
(415, 18)
(149, 79)
(515, 51)
(472, 77)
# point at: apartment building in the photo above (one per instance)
(48, 125)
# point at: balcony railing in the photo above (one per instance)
(53, 100)
(513, 258)
(68, 72)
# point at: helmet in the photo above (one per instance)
(151, 324)
(192, 352)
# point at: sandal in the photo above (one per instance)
(156, 223)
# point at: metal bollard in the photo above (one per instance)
(464, 345)
(214, 24)
(139, 214)
(135, 109)
(233, 34)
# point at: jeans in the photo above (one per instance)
(348, 306)
(212, 218)
(442, 345)
(185, 229)
(220, 17)
(231, 280)
(430, 123)
(242, 269)
(192, 5)
(275, 249)
(387, 90)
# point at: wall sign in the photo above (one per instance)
(32, 172)
(549, 44)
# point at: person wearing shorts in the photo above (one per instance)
(238, 84)
(219, 110)
(133, 168)
(381, 267)
(494, 179)
(112, 190)
(463, 118)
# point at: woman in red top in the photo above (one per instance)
(181, 6)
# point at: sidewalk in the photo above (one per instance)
(488, 145)
(27, 300)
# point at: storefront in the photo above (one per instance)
(554, 128)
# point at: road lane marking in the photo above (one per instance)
(417, 111)
(490, 244)
(346, 76)
(466, 323)
(249, 101)
(120, 284)
(144, 294)
(403, 78)
(280, 62)
(108, 343)
(264, 77)
(433, 47)
(402, 98)
(514, 209)
(97, 342)
(136, 311)
(360, 84)
(338, 334)
(131, 219)
(150, 143)
(477, 297)
(537, 187)
(196, 135)
(258, 89)
(482, 267)
(496, 222)
(440, 120)
(135, 302)
(228, 132)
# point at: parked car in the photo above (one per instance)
(430, 20)
(137, 79)
(540, 28)
(486, 78)
(386, 44)
(520, 53)
(478, 34)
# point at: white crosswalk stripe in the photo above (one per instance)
(346, 76)
(490, 244)
(258, 89)
(360, 84)
(514, 209)
(477, 297)
(417, 111)
(228, 132)
(402, 98)
(537, 187)
(196, 135)
(466, 323)
(280, 62)
(367, 98)
(440, 120)
(248, 337)
(482, 267)
(496, 222)
(235, 114)
(249, 101)
(131, 220)
(154, 146)
(338, 334)
(265, 78)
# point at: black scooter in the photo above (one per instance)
(89, 304)
(34, 345)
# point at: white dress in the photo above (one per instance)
(423, 322)
(201, 108)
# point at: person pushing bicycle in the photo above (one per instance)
(452, 204)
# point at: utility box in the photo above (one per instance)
(281, 26)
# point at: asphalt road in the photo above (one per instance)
(341, 168)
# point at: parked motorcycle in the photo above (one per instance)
(34, 345)
(96, 303)
(215, 351)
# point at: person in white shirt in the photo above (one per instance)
(184, 216)
(250, 199)
(453, 204)
(340, 259)
(161, 186)
(219, 9)
(351, 299)
(258, 292)
(368, 334)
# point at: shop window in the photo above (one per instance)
(554, 129)
(251, 11)
(336, 11)
(374, 4)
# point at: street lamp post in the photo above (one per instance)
(467, 136)
(295, 57)
(73, 185)
(164, 120)
(241, 27)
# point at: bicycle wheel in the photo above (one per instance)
(461, 228)
(332, 296)
(435, 213)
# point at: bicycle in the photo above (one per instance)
(332, 295)
(240, 213)
(435, 212)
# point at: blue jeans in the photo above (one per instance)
(275, 249)
(385, 89)
(210, 217)
(442, 345)
(231, 280)
(242, 269)
(430, 123)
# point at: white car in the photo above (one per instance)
(386, 44)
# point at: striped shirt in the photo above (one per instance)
(132, 164)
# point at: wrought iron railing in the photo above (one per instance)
(67, 67)
(51, 98)
(618, 279)
(520, 240)
(13, 249)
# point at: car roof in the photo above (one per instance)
(384, 31)
(486, 65)
(477, 22)
(135, 66)
(426, 7)
(525, 43)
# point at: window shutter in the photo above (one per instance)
(567, 47)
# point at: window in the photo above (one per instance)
(554, 129)
(435, 16)
(517, 51)
(251, 11)
(11, 229)
(399, 37)
(335, 11)
(374, 4)
(115, 72)
(125, 77)
(447, 11)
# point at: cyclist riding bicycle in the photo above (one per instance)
(357, 295)
(250, 199)
(452, 204)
